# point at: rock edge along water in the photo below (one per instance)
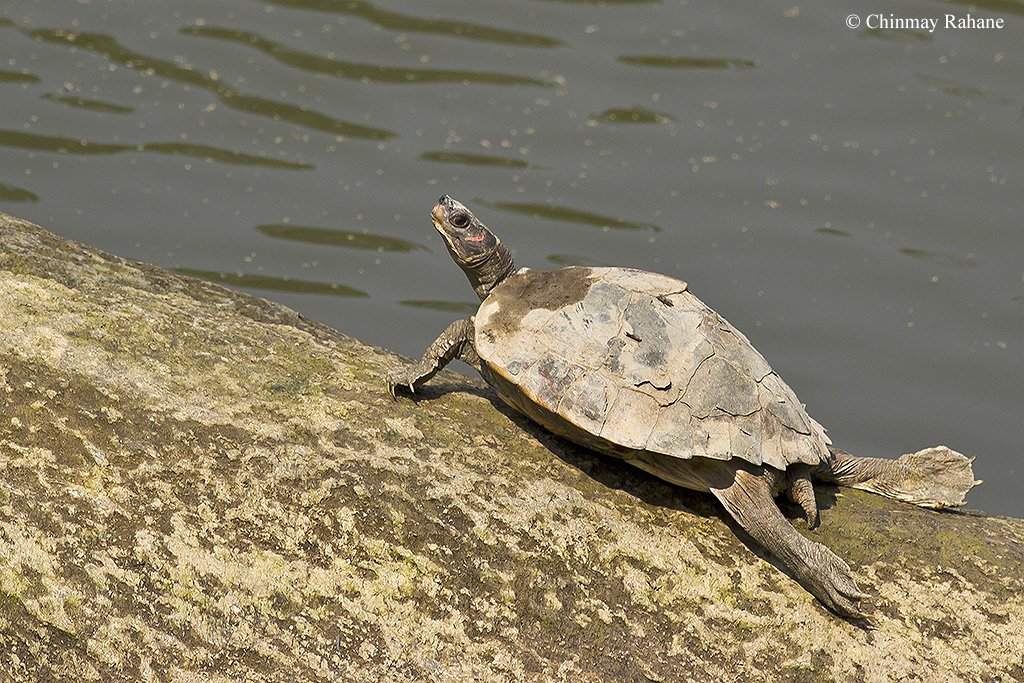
(200, 485)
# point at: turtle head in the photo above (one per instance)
(474, 248)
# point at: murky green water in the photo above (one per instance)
(851, 199)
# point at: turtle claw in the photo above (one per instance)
(392, 382)
(800, 491)
(404, 378)
(830, 580)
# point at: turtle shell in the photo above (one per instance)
(627, 361)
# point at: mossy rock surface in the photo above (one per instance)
(200, 485)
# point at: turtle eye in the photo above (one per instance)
(460, 221)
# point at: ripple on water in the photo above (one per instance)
(369, 73)
(149, 66)
(670, 62)
(408, 23)
(965, 91)
(459, 307)
(570, 215)
(91, 105)
(9, 193)
(23, 77)
(274, 284)
(339, 238)
(897, 34)
(469, 159)
(61, 145)
(633, 115)
(604, 2)
(942, 258)
(997, 6)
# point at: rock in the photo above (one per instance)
(200, 485)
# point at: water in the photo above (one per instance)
(851, 199)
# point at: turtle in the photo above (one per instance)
(631, 364)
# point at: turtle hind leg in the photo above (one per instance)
(749, 497)
(937, 477)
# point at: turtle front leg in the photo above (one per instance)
(937, 477)
(455, 342)
(748, 495)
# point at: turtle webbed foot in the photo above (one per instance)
(937, 477)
